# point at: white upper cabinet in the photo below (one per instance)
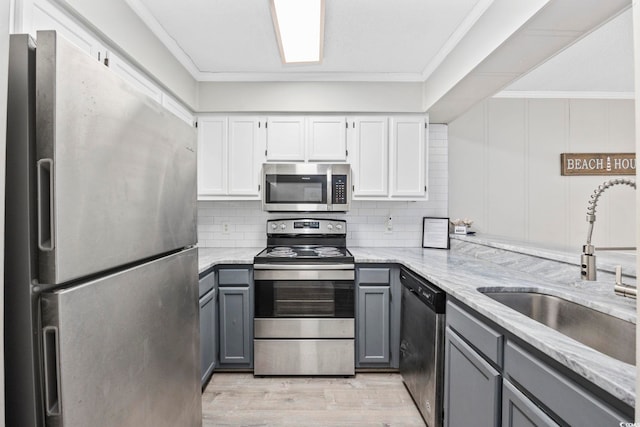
(46, 16)
(212, 156)
(230, 157)
(246, 155)
(326, 138)
(369, 155)
(136, 79)
(177, 109)
(285, 138)
(408, 159)
(318, 138)
(388, 157)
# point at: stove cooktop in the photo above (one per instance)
(304, 253)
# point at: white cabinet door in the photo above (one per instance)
(285, 138)
(212, 156)
(245, 156)
(408, 158)
(369, 163)
(326, 138)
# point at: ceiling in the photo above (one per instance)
(461, 51)
(372, 40)
(365, 40)
(601, 64)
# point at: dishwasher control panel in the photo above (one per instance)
(423, 289)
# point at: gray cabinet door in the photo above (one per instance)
(373, 325)
(519, 411)
(207, 334)
(471, 386)
(235, 327)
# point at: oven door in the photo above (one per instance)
(304, 291)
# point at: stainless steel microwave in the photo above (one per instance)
(306, 187)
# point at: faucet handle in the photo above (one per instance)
(629, 291)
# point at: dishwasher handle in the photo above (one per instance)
(427, 292)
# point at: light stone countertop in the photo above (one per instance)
(460, 274)
(209, 257)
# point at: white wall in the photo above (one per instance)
(504, 169)
(365, 221)
(4, 59)
(359, 97)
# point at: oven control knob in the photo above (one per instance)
(329, 226)
(283, 226)
(274, 226)
(339, 226)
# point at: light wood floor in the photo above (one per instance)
(239, 399)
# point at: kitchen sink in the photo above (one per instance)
(602, 332)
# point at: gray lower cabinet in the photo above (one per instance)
(519, 411)
(373, 324)
(570, 403)
(208, 330)
(207, 335)
(235, 316)
(471, 387)
(492, 379)
(377, 316)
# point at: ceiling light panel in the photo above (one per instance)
(299, 26)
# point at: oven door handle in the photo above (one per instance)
(303, 275)
(303, 266)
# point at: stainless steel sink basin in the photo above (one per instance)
(602, 332)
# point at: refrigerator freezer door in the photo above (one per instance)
(116, 172)
(123, 350)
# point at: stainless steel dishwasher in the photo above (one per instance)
(422, 345)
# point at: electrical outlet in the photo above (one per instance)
(388, 225)
(225, 228)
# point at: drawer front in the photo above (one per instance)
(304, 357)
(486, 340)
(233, 277)
(374, 276)
(576, 406)
(206, 284)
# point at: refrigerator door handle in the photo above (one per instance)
(46, 224)
(51, 371)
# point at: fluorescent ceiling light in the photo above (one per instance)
(299, 26)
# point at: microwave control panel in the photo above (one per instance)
(339, 189)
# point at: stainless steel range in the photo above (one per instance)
(304, 300)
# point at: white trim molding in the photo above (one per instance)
(564, 94)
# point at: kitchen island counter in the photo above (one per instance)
(461, 271)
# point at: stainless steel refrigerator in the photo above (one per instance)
(101, 282)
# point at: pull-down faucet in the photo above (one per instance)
(588, 259)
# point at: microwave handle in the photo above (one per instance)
(329, 189)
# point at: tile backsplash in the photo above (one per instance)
(243, 223)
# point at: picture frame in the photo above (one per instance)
(435, 232)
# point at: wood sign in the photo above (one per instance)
(598, 164)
